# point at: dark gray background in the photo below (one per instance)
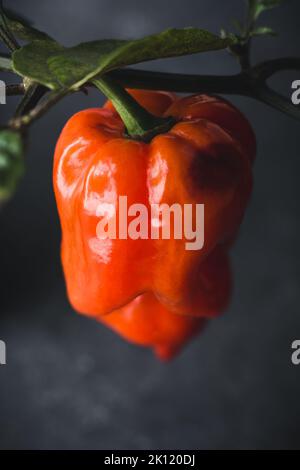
(72, 384)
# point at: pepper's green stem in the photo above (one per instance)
(140, 124)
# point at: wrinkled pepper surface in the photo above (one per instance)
(153, 292)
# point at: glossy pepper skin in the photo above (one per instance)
(146, 322)
(205, 158)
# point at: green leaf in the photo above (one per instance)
(263, 31)
(31, 61)
(57, 67)
(101, 56)
(75, 66)
(6, 64)
(22, 28)
(257, 7)
(11, 162)
(25, 32)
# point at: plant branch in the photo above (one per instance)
(277, 101)
(15, 89)
(177, 82)
(266, 69)
(8, 39)
(20, 122)
(32, 96)
(242, 52)
(251, 83)
(5, 34)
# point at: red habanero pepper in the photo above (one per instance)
(205, 158)
(146, 322)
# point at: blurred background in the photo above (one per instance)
(70, 383)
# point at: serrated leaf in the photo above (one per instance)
(72, 67)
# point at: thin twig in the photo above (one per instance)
(32, 96)
(40, 109)
(15, 89)
(5, 33)
(277, 101)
